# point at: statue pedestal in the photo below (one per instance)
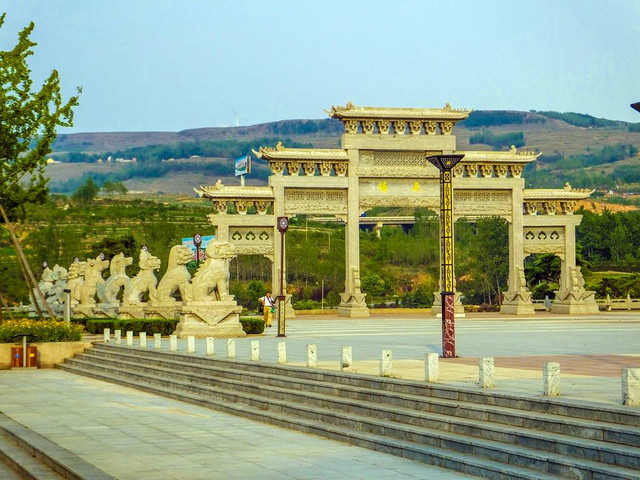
(132, 310)
(574, 302)
(106, 310)
(84, 311)
(168, 311)
(210, 319)
(353, 305)
(458, 308)
(517, 303)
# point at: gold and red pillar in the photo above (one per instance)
(445, 164)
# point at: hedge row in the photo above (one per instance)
(150, 326)
(250, 325)
(12, 331)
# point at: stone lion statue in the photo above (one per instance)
(76, 280)
(211, 281)
(92, 279)
(144, 281)
(118, 278)
(60, 277)
(175, 278)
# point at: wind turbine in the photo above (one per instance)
(238, 117)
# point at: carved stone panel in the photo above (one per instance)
(396, 164)
(544, 240)
(246, 236)
(318, 201)
(482, 202)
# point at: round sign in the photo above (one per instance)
(283, 223)
(45, 264)
(197, 239)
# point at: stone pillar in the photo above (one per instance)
(282, 353)
(173, 343)
(191, 344)
(631, 386)
(231, 348)
(157, 341)
(352, 301)
(255, 351)
(107, 335)
(551, 379)
(210, 347)
(142, 336)
(129, 338)
(517, 299)
(386, 363)
(487, 376)
(276, 274)
(117, 337)
(312, 356)
(347, 358)
(572, 298)
(431, 367)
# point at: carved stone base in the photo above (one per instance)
(517, 303)
(353, 305)
(168, 311)
(436, 308)
(210, 319)
(574, 302)
(84, 311)
(131, 311)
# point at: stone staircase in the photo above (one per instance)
(24, 454)
(484, 434)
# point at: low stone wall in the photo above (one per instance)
(49, 353)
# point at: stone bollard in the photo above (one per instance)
(282, 353)
(312, 356)
(347, 358)
(173, 343)
(129, 338)
(107, 335)
(631, 386)
(117, 337)
(209, 346)
(551, 379)
(487, 376)
(231, 348)
(142, 336)
(191, 344)
(157, 341)
(431, 367)
(385, 363)
(255, 351)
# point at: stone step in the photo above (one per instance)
(547, 405)
(36, 457)
(327, 413)
(624, 456)
(8, 473)
(546, 422)
(463, 463)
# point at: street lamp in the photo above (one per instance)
(445, 164)
(283, 225)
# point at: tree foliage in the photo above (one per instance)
(28, 122)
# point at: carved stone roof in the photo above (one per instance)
(220, 191)
(512, 156)
(351, 111)
(567, 194)
(279, 152)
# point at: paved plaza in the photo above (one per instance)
(136, 435)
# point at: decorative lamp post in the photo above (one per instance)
(283, 225)
(197, 241)
(445, 164)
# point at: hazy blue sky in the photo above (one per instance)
(173, 65)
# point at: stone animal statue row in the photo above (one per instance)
(89, 290)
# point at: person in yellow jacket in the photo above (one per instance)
(268, 307)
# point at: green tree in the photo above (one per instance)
(86, 192)
(111, 188)
(28, 122)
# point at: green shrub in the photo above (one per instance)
(148, 325)
(11, 331)
(252, 325)
(307, 305)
